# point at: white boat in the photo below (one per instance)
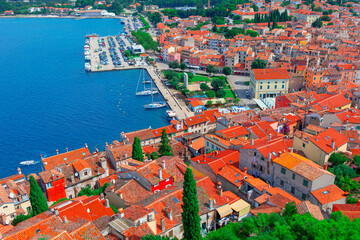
(87, 67)
(29, 162)
(171, 114)
(146, 81)
(147, 92)
(87, 58)
(155, 105)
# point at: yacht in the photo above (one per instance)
(87, 67)
(171, 114)
(147, 92)
(155, 105)
(29, 162)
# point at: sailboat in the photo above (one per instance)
(155, 104)
(146, 91)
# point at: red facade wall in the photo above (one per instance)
(162, 185)
(57, 191)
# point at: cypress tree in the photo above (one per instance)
(137, 152)
(190, 207)
(37, 199)
(165, 149)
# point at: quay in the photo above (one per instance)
(181, 110)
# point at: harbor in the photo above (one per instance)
(108, 54)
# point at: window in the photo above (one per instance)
(168, 179)
(261, 169)
(292, 190)
(254, 153)
(305, 183)
(262, 158)
(268, 87)
(303, 145)
(5, 207)
(181, 228)
(275, 86)
(207, 143)
(283, 171)
(260, 87)
(171, 233)
(155, 185)
(281, 183)
(303, 196)
(85, 173)
(293, 176)
(283, 86)
(49, 185)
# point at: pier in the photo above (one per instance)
(181, 109)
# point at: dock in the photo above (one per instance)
(181, 110)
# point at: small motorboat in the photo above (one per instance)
(155, 105)
(29, 162)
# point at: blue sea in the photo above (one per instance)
(49, 102)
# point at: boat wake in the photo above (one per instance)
(29, 162)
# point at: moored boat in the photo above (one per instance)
(147, 92)
(155, 105)
(29, 162)
(171, 114)
(87, 67)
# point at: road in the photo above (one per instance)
(240, 88)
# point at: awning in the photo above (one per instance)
(239, 205)
(224, 210)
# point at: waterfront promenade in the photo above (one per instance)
(179, 107)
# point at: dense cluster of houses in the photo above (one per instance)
(244, 162)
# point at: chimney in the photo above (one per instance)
(107, 203)
(67, 149)
(162, 224)
(57, 151)
(72, 178)
(333, 144)
(269, 136)
(325, 166)
(160, 173)
(169, 213)
(163, 165)
(279, 153)
(65, 220)
(103, 162)
(219, 188)
(121, 213)
(19, 170)
(106, 144)
(251, 142)
(269, 157)
(291, 149)
(211, 204)
(56, 211)
(86, 145)
(112, 188)
(245, 169)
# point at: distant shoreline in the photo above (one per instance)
(53, 16)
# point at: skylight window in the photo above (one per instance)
(65, 158)
(274, 153)
(83, 153)
(236, 175)
(237, 180)
(325, 192)
(176, 200)
(153, 210)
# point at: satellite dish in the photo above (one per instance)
(7, 222)
(76, 174)
(11, 195)
(88, 210)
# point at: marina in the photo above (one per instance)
(100, 48)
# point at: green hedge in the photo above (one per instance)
(146, 24)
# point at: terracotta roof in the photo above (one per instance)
(233, 175)
(132, 192)
(301, 165)
(328, 194)
(64, 158)
(352, 211)
(265, 208)
(87, 231)
(136, 212)
(233, 132)
(271, 73)
(307, 207)
(323, 140)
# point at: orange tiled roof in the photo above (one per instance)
(328, 194)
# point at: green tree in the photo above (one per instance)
(317, 23)
(190, 207)
(290, 210)
(215, 29)
(183, 66)
(154, 155)
(220, 93)
(204, 87)
(338, 158)
(218, 83)
(20, 218)
(211, 69)
(258, 64)
(347, 184)
(190, 75)
(208, 102)
(227, 71)
(325, 18)
(210, 94)
(137, 152)
(165, 149)
(174, 64)
(127, 53)
(256, 8)
(37, 199)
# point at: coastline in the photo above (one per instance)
(54, 16)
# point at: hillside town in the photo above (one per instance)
(274, 93)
